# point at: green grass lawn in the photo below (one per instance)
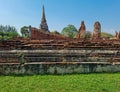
(61, 83)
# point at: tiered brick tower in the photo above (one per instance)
(43, 25)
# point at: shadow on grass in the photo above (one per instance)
(23, 75)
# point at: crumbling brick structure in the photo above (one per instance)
(96, 31)
(82, 31)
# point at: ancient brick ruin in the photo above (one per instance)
(96, 31)
(43, 26)
(43, 46)
(117, 35)
(82, 31)
(47, 53)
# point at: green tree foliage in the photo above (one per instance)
(25, 31)
(55, 32)
(88, 35)
(106, 35)
(69, 31)
(7, 32)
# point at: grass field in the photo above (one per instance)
(61, 83)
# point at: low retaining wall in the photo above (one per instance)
(57, 68)
(81, 55)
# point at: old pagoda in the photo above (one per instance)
(43, 25)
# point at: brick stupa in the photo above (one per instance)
(43, 25)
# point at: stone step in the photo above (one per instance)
(43, 59)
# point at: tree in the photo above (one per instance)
(55, 32)
(25, 31)
(69, 31)
(7, 32)
(106, 35)
(88, 35)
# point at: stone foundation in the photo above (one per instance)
(82, 55)
(58, 68)
(59, 61)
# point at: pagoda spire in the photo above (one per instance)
(43, 15)
(43, 24)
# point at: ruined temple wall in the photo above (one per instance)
(37, 34)
(59, 61)
(61, 68)
(61, 55)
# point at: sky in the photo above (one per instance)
(60, 13)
